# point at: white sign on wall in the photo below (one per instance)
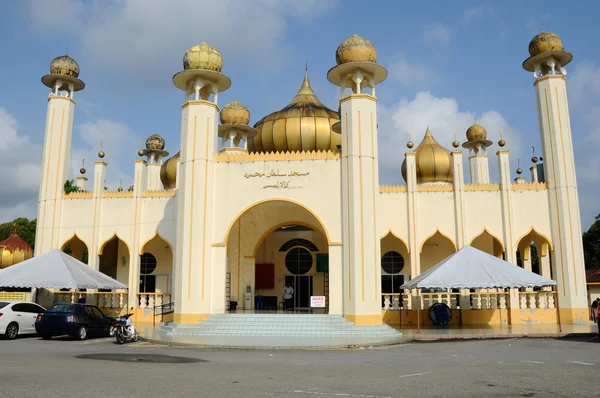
(317, 301)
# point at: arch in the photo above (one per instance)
(390, 232)
(301, 242)
(532, 231)
(157, 234)
(115, 235)
(75, 235)
(264, 236)
(494, 237)
(437, 230)
(241, 213)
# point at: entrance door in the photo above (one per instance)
(147, 283)
(303, 289)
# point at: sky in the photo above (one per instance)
(449, 64)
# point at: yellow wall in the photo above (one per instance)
(495, 317)
(161, 250)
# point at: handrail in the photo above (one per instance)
(170, 306)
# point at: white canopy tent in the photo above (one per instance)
(56, 270)
(471, 268)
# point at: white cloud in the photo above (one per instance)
(437, 33)
(412, 74)
(476, 13)
(152, 35)
(443, 117)
(20, 160)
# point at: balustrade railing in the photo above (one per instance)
(118, 299)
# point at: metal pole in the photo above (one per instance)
(418, 312)
(557, 310)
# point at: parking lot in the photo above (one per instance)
(31, 367)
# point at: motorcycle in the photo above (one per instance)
(124, 329)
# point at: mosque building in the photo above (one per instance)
(238, 212)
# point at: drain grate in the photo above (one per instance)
(140, 358)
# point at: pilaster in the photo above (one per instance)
(98, 189)
(336, 302)
(534, 173)
(459, 187)
(413, 233)
(139, 186)
(506, 203)
(81, 182)
(480, 170)
(153, 182)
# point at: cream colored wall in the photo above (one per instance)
(161, 250)
(392, 243)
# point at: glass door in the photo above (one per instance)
(303, 289)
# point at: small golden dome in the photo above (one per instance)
(519, 170)
(203, 56)
(13, 250)
(410, 145)
(455, 144)
(545, 41)
(355, 49)
(501, 143)
(101, 154)
(82, 170)
(534, 159)
(141, 152)
(155, 141)
(235, 113)
(305, 124)
(64, 65)
(476, 132)
(120, 189)
(434, 162)
(168, 172)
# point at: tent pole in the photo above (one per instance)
(557, 310)
(418, 312)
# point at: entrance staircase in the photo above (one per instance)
(277, 331)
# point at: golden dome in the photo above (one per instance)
(155, 141)
(203, 56)
(168, 172)
(235, 113)
(13, 250)
(355, 49)
(303, 125)
(545, 41)
(434, 162)
(64, 65)
(476, 132)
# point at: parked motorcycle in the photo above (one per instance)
(124, 330)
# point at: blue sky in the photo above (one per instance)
(448, 63)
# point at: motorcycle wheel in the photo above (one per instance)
(120, 337)
(135, 337)
(111, 331)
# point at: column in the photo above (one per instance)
(217, 282)
(413, 226)
(459, 186)
(139, 186)
(153, 182)
(98, 190)
(480, 173)
(81, 182)
(506, 202)
(336, 301)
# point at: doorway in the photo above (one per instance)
(303, 289)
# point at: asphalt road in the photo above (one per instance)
(31, 367)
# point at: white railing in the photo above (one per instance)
(537, 300)
(118, 299)
(152, 300)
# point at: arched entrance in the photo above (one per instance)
(114, 259)
(272, 244)
(76, 248)
(156, 266)
(533, 254)
(434, 249)
(395, 264)
(488, 243)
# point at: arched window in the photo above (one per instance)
(298, 261)
(392, 262)
(147, 263)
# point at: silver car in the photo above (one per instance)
(18, 317)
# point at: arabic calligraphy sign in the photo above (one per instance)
(275, 174)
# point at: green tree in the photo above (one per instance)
(25, 228)
(70, 186)
(591, 245)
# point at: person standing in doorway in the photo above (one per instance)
(288, 294)
(595, 310)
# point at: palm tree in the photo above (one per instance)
(71, 187)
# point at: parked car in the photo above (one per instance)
(76, 320)
(18, 317)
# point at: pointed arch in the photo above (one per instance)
(391, 232)
(157, 234)
(75, 235)
(485, 230)
(115, 235)
(237, 217)
(275, 228)
(437, 230)
(533, 231)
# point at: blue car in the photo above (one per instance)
(76, 320)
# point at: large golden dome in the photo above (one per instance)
(303, 125)
(168, 172)
(434, 162)
(13, 250)
(545, 41)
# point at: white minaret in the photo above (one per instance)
(201, 81)
(358, 71)
(234, 130)
(154, 153)
(63, 82)
(547, 60)
(477, 144)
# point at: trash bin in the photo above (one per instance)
(232, 305)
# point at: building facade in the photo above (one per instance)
(296, 200)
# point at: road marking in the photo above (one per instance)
(532, 361)
(338, 394)
(95, 341)
(580, 363)
(416, 374)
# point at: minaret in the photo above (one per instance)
(358, 71)
(201, 81)
(154, 153)
(63, 82)
(477, 144)
(234, 128)
(547, 61)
